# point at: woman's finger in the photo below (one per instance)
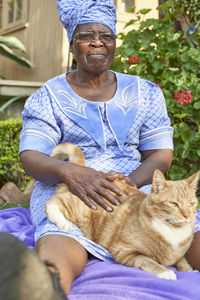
(99, 200)
(107, 195)
(87, 201)
(112, 175)
(112, 187)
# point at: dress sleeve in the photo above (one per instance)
(156, 132)
(40, 130)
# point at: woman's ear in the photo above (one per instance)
(72, 47)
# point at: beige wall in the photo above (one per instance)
(46, 40)
(43, 39)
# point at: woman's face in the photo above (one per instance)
(94, 47)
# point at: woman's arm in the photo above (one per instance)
(86, 183)
(153, 159)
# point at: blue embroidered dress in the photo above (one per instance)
(111, 135)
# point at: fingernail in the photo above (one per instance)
(93, 207)
(122, 194)
(118, 203)
(109, 209)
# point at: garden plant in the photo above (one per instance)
(158, 52)
(8, 44)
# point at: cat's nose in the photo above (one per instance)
(186, 218)
(186, 215)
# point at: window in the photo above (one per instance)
(19, 5)
(126, 4)
(13, 14)
(123, 5)
(10, 16)
(1, 12)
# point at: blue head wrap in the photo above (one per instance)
(75, 12)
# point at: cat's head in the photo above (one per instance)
(174, 201)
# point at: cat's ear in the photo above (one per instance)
(193, 180)
(158, 182)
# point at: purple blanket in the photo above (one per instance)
(107, 280)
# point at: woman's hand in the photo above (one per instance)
(112, 175)
(89, 185)
(92, 186)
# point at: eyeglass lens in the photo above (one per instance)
(89, 36)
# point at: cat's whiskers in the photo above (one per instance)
(177, 221)
(172, 235)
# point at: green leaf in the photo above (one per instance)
(12, 42)
(173, 69)
(6, 51)
(197, 105)
(131, 10)
(176, 172)
(130, 22)
(149, 22)
(144, 11)
(168, 4)
(9, 102)
(177, 35)
(181, 116)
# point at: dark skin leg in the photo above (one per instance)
(66, 253)
(193, 254)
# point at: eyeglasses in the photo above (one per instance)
(86, 37)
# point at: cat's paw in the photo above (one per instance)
(169, 274)
(65, 227)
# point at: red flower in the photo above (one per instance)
(158, 85)
(183, 96)
(133, 59)
(181, 101)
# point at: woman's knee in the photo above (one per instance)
(60, 247)
(67, 255)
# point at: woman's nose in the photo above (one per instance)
(96, 41)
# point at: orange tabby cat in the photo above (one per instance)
(150, 232)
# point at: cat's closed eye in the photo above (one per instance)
(174, 204)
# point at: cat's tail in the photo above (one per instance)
(68, 151)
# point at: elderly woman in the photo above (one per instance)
(114, 118)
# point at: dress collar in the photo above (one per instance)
(120, 110)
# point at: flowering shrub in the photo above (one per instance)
(171, 60)
(133, 59)
(183, 97)
(158, 85)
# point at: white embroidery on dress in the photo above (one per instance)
(71, 105)
(128, 99)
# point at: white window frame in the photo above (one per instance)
(122, 15)
(121, 6)
(16, 24)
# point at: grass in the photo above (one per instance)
(11, 205)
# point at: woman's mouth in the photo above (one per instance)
(95, 54)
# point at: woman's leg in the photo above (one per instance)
(66, 253)
(193, 254)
